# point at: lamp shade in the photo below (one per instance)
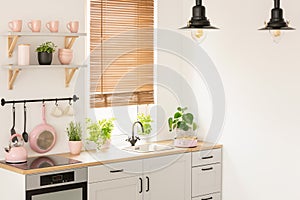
(199, 19)
(277, 21)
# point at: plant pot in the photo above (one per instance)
(106, 144)
(75, 147)
(45, 58)
(185, 139)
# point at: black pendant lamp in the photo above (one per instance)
(277, 22)
(199, 20)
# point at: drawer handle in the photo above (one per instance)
(207, 157)
(148, 184)
(141, 181)
(207, 169)
(117, 171)
(207, 198)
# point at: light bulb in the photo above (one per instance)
(198, 35)
(276, 35)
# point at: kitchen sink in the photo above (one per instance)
(146, 148)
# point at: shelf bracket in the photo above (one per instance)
(69, 41)
(69, 73)
(12, 42)
(12, 75)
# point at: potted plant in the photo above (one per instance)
(74, 131)
(45, 53)
(100, 132)
(184, 126)
(146, 121)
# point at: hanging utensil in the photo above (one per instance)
(43, 137)
(25, 134)
(12, 130)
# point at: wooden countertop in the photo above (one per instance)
(111, 155)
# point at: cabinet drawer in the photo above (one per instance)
(114, 171)
(206, 179)
(206, 157)
(216, 196)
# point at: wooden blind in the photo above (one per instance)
(121, 45)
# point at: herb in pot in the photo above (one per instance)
(45, 53)
(100, 131)
(74, 131)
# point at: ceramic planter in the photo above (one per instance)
(75, 147)
(45, 58)
(185, 139)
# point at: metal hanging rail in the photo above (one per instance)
(74, 99)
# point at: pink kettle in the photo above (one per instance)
(16, 153)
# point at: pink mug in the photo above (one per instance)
(52, 26)
(15, 25)
(73, 26)
(34, 25)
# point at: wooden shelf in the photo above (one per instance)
(13, 71)
(13, 37)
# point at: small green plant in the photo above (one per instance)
(48, 47)
(74, 131)
(100, 131)
(182, 121)
(146, 121)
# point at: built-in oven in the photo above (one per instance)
(59, 185)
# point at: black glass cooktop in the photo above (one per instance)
(43, 162)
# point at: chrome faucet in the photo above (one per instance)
(133, 139)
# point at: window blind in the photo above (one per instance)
(122, 52)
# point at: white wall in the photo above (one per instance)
(43, 83)
(261, 80)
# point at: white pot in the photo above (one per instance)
(185, 139)
(75, 147)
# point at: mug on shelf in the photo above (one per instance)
(52, 26)
(34, 25)
(73, 26)
(15, 25)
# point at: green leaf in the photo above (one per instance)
(184, 126)
(184, 109)
(188, 118)
(177, 115)
(195, 126)
(170, 122)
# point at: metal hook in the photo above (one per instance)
(56, 104)
(70, 102)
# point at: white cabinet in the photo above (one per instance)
(206, 179)
(167, 177)
(115, 171)
(207, 174)
(124, 188)
(187, 176)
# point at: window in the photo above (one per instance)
(122, 52)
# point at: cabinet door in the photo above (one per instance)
(125, 189)
(168, 177)
(206, 179)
